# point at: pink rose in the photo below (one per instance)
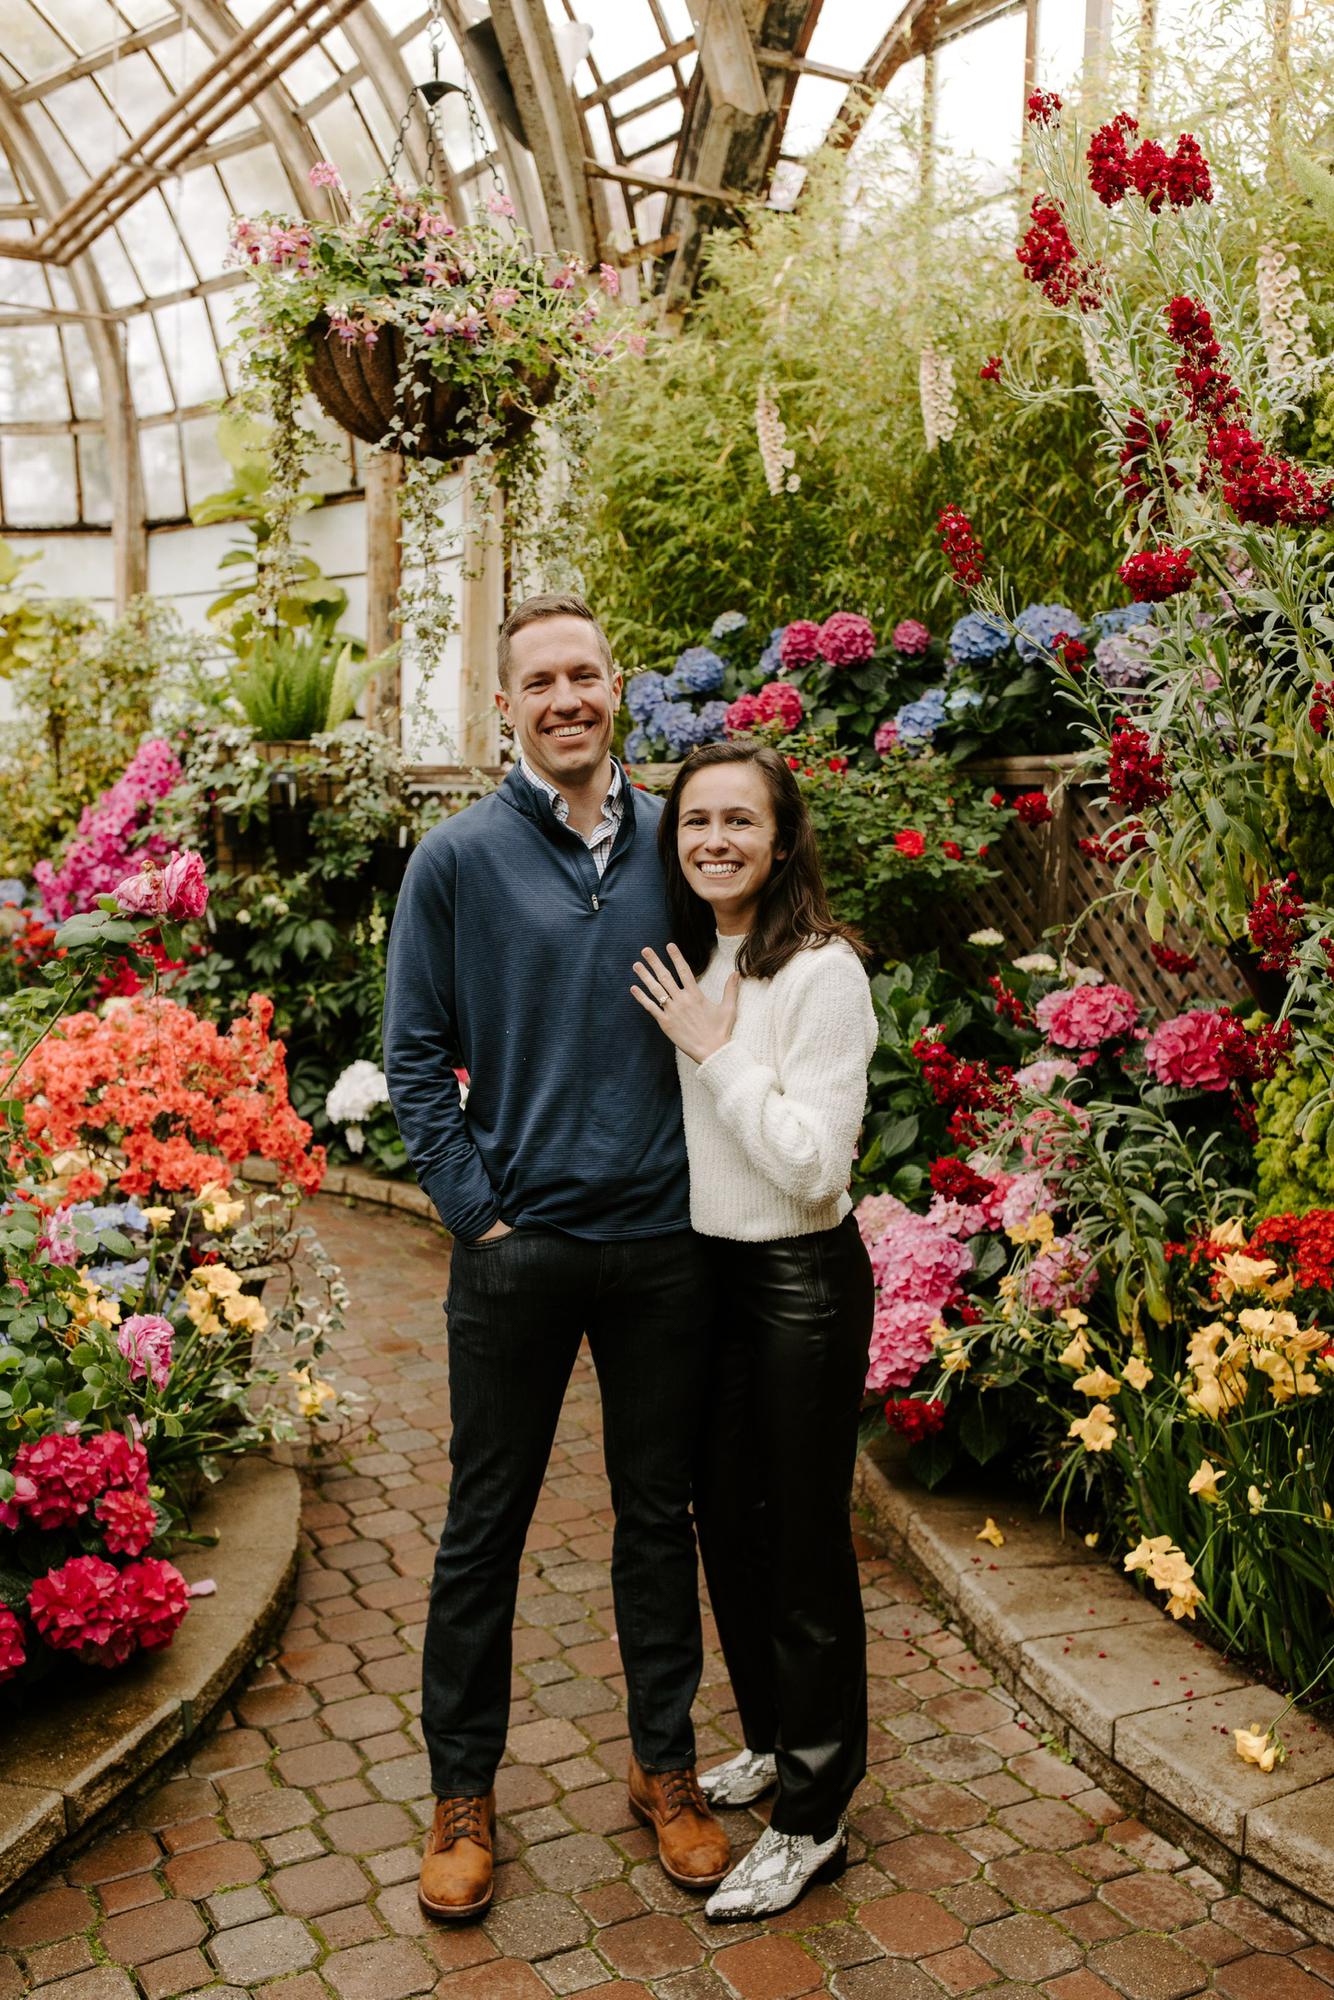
(144, 894)
(186, 885)
(145, 1340)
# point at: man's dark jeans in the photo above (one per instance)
(518, 1307)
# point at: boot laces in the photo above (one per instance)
(680, 1789)
(460, 1819)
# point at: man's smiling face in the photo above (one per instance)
(561, 700)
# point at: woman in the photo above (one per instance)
(771, 1014)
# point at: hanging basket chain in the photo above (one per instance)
(431, 93)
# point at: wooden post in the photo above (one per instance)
(482, 612)
(384, 567)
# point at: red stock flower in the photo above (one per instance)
(1009, 1007)
(1180, 178)
(1135, 772)
(1178, 962)
(1259, 485)
(1033, 808)
(1049, 259)
(910, 842)
(1108, 159)
(1322, 699)
(955, 1180)
(1140, 466)
(1070, 651)
(1187, 178)
(1274, 921)
(914, 1419)
(1254, 1054)
(1154, 575)
(962, 549)
(1209, 389)
(1043, 108)
(12, 1652)
(990, 371)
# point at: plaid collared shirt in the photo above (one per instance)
(600, 841)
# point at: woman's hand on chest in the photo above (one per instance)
(672, 995)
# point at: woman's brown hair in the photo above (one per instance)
(794, 906)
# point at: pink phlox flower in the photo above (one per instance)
(107, 843)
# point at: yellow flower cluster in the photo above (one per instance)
(94, 1308)
(1168, 1569)
(1221, 1355)
(1097, 1431)
(214, 1300)
(216, 1212)
(312, 1393)
(1039, 1229)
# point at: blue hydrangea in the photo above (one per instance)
(120, 1278)
(713, 717)
(728, 621)
(1121, 659)
(697, 671)
(771, 659)
(113, 1215)
(961, 698)
(678, 725)
(645, 693)
(1123, 619)
(12, 891)
(977, 638)
(1038, 625)
(639, 747)
(918, 721)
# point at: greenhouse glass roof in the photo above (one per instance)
(132, 130)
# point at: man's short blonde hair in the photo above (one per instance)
(548, 604)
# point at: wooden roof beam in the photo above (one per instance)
(552, 122)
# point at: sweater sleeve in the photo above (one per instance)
(799, 1130)
(421, 1051)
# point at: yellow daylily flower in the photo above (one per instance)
(1039, 1229)
(1076, 1354)
(1203, 1482)
(1096, 1431)
(1257, 1746)
(991, 1533)
(311, 1393)
(1255, 1499)
(1240, 1273)
(1137, 1372)
(158, 1218)
(1098, 1383)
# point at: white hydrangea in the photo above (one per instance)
(935, 384)
(355, 1095)
(1035, 961)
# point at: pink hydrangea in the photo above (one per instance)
(874, 1213)
(57, 1238)
(1063, 1275)
(800, 643)
(80, 1608)
(145, 1340)
(128, 1522)
(1048, 1135)
(12, 1650)
(887, 738)
(779, 701)
(156, 1598)
(918, 1267)
(910, 637)
(120, 1461)
(1037, 1079)
(106, 845)
(1187, 1051)
(66, 1479)
(1088, 1017)
(742, 715)
(846, 639)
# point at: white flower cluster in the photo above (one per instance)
(777, 456)
(1284, 320)
(935, 382)
(355, 1095)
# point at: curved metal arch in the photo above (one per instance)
(129, 532)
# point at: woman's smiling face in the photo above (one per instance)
(727, 840)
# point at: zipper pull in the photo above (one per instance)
(596, 904)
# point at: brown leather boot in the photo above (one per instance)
(692, 1847)
(457, 1864)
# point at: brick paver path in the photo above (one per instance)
(281, 1858)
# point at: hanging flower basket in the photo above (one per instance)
(362, 388)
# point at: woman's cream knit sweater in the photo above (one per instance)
(772, 1117)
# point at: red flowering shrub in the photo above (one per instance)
(1305, 1243)
(1043, 108)
(1135, 773)
(1033, 808)
(1139, 464)
(1049, 259)
(1154, 575)
(1322, 700)
(156, 1597)
(79, 1608)
(1208, 388)
(1274, 921)
(166, 1101)
(12, 1650)
(963, 550)
(910, 842)
(128, 1522)
(1259, 485)
(1180, 178)
(779, 701)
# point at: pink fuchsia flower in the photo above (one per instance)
(120, 1461)
(145, 1340)
(57, 1238)
(79, 1608)
(1187, 1052)
(1063, 1275)
(887, 738)
(846, 640)
(12, 1651)
(500, 204)
(610, 280)
(128, 1522)
(324, 174)
(66, 1478)
(1088, 1017)
(910, 637)
(156, 1598)
(779, 701)
(800, 643)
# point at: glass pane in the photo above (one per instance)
(87, 120)
(1060, 43)
(186, 339)
(888, 151)
(624, 32)
(160, 456)
(979, 103)
(23, 284)
(221, 305)
(309, 75)
(383, 129)
(202, 213)
(148, 378)
(816, 102)
(154, 246)
(789, 178)
(29, 43)
(136, 88)
(343, 138)
(255, 181)
(39, 480)
(398, 14)
(144, 13)
(96, 476)
(32, 375)
(85, 24)
(67, 166)
(119, 281)
(847, 32)
(206, 470)
(80, 372)
(651, 128)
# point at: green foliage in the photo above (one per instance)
(831, 317)
(1294, 1154)
(294, 685)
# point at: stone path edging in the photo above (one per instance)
(64, 1764)
(1146, 1708)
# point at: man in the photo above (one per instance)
(565, 1189)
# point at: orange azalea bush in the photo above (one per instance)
(148, 1097)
